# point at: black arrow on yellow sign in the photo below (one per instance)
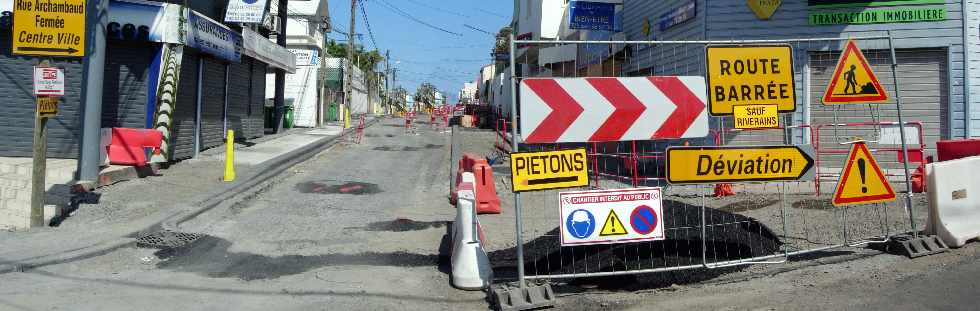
(39, 49)
(734, 164)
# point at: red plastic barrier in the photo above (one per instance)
(465, 165)
(487, 201)
(957, 149)
(127, 146)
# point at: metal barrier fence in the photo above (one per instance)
(763, 222)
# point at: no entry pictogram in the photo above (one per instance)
(643, 219)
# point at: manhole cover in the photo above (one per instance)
(167, 239)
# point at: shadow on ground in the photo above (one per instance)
(728, 237)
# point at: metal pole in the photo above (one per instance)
(349, 80)
(280, 88)
(901, 130)
(514, 146)
(94, 68)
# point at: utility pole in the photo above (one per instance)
(387, 85)
(349, 80)
(89, 161)
(280, 95)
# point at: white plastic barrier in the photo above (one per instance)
(470, 264)
(954, 200)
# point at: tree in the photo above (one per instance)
(502, 45)
(425, 94)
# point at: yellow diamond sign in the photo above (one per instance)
(764, 9)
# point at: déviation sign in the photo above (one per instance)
(733, 164)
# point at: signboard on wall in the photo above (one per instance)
(245, 11)
(213, 38)
(257, 46)
(591, 15)
(856, 12)
(829, 4)
(157, 22)
(678, 15)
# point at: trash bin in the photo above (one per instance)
(289, 117)
(332, 112)
(270, 115)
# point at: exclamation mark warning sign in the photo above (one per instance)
(862, 180)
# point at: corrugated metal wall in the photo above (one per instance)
(212, 103)
(124, 94)
(17, 108)
(239, 82)
(973, 37)
(185, 112)
(254, 123)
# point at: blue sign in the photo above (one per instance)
(643, 220)
(213, 38)
(678, 15)
(592, 15)
(580, 223)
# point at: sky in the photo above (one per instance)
(430, 40)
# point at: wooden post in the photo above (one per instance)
(40, 170)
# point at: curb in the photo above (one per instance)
(267, 172)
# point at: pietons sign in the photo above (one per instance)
(549, 170)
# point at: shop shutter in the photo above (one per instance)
(186, 108)
(17, 108)
(239, 81)
(925, 93)
(256, 116)
(212, 103)
(124, 95)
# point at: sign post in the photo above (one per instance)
(48, 83)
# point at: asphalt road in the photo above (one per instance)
(363, 227)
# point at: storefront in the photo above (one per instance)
(927, 37)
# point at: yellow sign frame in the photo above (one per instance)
(853, 56)
(751, 75)
(684, 164)
(51, 29)
(47, 106)
(767, 116)
(527, 176)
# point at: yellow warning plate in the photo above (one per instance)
(862, 180)
(854, 82)
(692, 165)
(756, 116)
(750, 75)
(613, 226)
(549, 170)
(47, 107)
(49, 28)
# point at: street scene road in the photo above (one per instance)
(489, 155)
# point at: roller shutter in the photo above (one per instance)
(186, 108)
(124, 94)
(256, 114)
(925, 92)
(239, 82)
(17, 108)
(212, 103)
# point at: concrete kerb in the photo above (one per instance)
(172, 221)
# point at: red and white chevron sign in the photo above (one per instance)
(559, 110)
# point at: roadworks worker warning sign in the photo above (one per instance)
(750, 75)
(756, 116)
(854, 82)
(549, 170)
(862, 180)
(611, 216)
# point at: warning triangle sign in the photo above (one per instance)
(861, 180)
(612, 225)
(853, 82)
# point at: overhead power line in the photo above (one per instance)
(438, 8)
(478, 29)
(368, 24)
(409, 16)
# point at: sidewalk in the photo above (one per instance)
(112, 217)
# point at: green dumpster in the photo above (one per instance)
(332, 112)
(270, 116)
(289, 117)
